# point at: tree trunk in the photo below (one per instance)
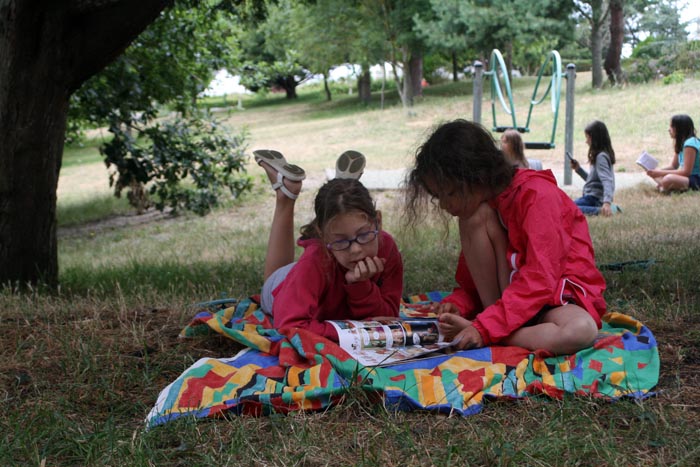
(597, 56)
(415, 68)
(401, 85)
(617, 31)
(508, 59)
(455, 71)
(364, 85)
(598, 19)
(289, 84)
(30, 160)
(47, 50)
(326, 88)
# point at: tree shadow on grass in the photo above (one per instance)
(194, 280)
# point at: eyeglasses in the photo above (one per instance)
(362, 239)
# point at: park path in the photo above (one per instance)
(391, 179)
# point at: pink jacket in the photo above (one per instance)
(550, 253)
(315, 290)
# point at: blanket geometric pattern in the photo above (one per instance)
(298, 370)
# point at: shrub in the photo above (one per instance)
(186, 164)
(674, 78)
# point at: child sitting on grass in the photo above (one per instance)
(599, 189)
(554, 298)
(350, 267)
(684, 171)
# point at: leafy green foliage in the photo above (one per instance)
(187, 164)
(643, 67)
(478, 26)
(189, 161)
(268, 55)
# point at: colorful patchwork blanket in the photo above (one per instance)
(297, 370)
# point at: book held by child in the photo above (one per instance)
(647, 161)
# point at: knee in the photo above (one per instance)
(581, 332)
(672, 182)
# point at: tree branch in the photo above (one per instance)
(99, 30)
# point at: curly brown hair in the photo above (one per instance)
(458, 154)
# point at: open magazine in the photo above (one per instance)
(384, 341)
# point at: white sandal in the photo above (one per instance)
(284, 170)
(350, 164)
(280, 164)
(279, 185)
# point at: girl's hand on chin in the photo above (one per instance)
(365, 269)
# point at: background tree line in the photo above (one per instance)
(139, 67)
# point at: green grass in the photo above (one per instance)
(96, 208)
(82, 366)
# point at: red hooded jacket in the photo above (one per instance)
(550, 253)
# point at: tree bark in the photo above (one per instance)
(415, 69)
(48, 49)
(509, 59)
(455, 71)
(596, 56)
(289, 84)
(364, 85)
(326, 88)
(612, 64)
(598, 18)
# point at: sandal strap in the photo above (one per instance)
(279, 185)
(288, 193)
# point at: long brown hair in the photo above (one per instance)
(515, 142)
(684, 127)
(600, 141)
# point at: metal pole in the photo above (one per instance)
(478, 90)
(569, 131)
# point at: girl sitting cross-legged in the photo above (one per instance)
(684, 171)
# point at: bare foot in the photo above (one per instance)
(292, 188)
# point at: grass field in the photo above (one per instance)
(82, 367)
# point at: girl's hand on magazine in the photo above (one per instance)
(440, 308)
(460, 331)
(365, 269)
(468, 338)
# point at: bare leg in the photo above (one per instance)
(484, 246)
(673, 183)
(563, 330)
(280, 245)
(499, 239)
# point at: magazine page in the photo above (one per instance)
(647, 161)
(384, 341)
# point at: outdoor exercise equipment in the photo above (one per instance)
(498, 73)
